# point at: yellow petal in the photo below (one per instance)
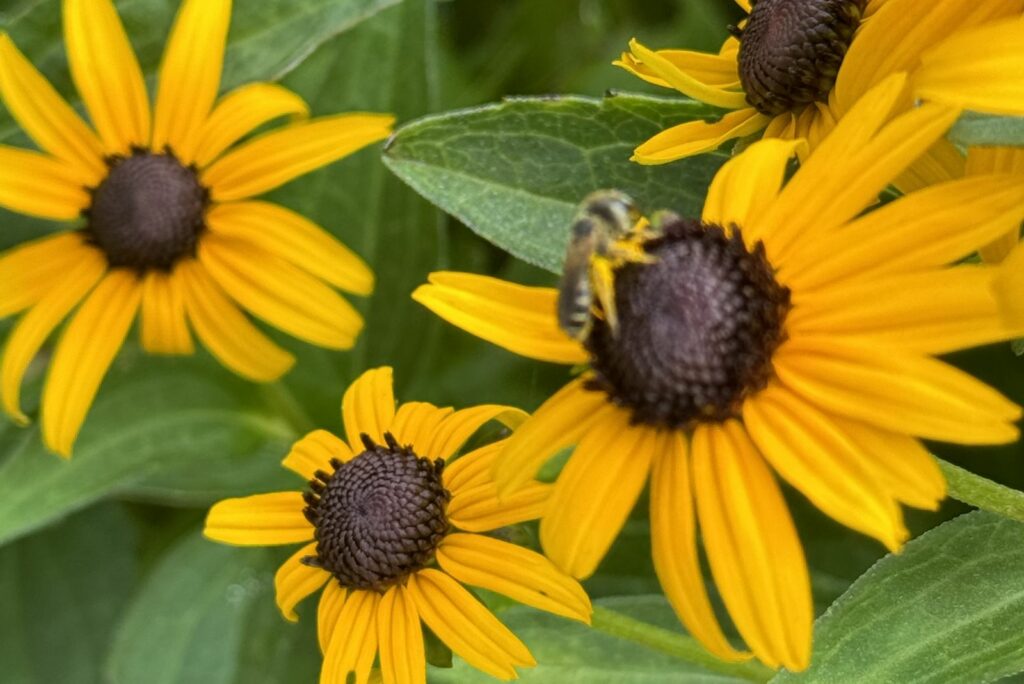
(596, 491)
(295, 581)
(353, 644)
(31, 270)
(272, 228)
(748, 183)
(474, 468)
(242, 111)
(674, 546)
(368, 407)
(466, 626)
(478, 508)
(314, 452)
(932, 313)
(813, 455)
(107, 74)
(969, 70)
(402, 657)
(280, 293)
(416, 422)
(275, 158)
(522, 575)
(515, 317)
(986, 160)
(85, 352)
(38, 185)
(697, 137)
(752, 546)
(928, 228)
(942, 163)
(1009, 286)
(190, 75)
(688, 73)
(457, 428)
(225, 330)
(897, 391)
(164, 328)
(557, 424)
(35, 326)
(259, 520)
(44, 115)
(328, 610)
(717, 71)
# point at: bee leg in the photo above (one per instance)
(604, 287)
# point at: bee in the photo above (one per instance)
(603, 237)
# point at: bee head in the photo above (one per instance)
(613, 208)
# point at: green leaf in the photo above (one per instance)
(176, 418)
(948, 609)
(570, 653)
(515, 171)
(982, 129)
(187, 621)
(61, 592)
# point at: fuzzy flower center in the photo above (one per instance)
(378, 517)
(148, 212)
(697, 328)
(791, 51)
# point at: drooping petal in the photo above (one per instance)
(295, 581)
(752, 546)
(274, 229)
(697, 137)
(957, 217)
(314, 452)
(353, 644)
(226, 331)
(275, 158)
(813, 455)
(931, 313)
(280, 293)
(674, 546)
(969, 70)
(515, 317)
(455, 429)
(402, 656)
(164, 327)
(368, 407)
(596, 491)
(521, 574)
(85, 352)
(190, 75)
(36, 326)
(748, 183)
(242, 111)
(897, 391)
(466, 626)
(688, 73)
(31, 270)
(259, 520)
(38, 185)
(331, 601)
(557, 424)
(416, 422)
(107, 74)
(46, 117)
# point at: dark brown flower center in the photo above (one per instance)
(378, 517)
(791, 51)
(148, 212)
(697, 328)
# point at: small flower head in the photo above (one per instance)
(391, 523)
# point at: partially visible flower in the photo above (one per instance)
(988, 160)
(391, 525)
(796, 67)
(163, 220)
(784, 333)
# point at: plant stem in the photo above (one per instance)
(983, 493)
(284, 403)
(676, 645)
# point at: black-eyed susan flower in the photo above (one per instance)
(162, 220)
(391, 525)
(783, 333)
(795, 67)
